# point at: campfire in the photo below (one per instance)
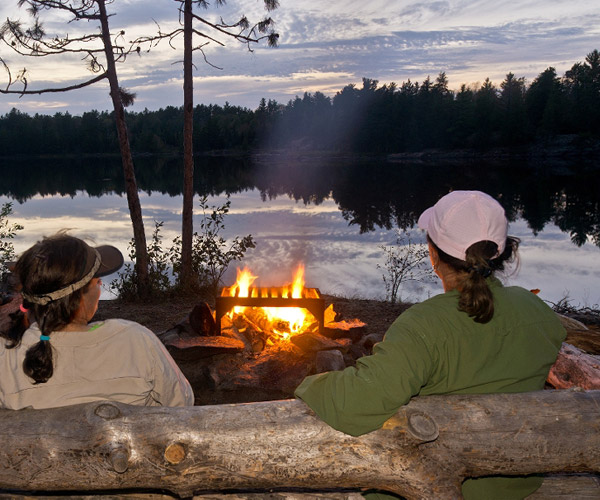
(261, 341)
(279, 312)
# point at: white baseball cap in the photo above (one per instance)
(462, 218)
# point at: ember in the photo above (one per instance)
(282, 311)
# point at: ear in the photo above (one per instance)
(433, 255)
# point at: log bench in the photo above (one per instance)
(280, 449)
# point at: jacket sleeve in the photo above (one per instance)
(170, 387)
(360, 399)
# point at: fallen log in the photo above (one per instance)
(575, 368)
(424, 451)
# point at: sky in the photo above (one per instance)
(323, 46)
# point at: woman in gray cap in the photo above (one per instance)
(63, 358)
(478, 337)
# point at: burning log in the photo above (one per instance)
(423, 452)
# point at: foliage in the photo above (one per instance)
(404, 261)
(211, 253)
(211, 256)
(7, 232)
(158, 270)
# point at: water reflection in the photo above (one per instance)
(331, 213)
(371, 193)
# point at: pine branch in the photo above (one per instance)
(61, 89)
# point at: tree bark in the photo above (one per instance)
(133, 200)
(424, 451)
(574, 368)
(186, 275)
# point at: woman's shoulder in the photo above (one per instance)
(433, 306)
(101, 331)
(118, 324)
(123, 327)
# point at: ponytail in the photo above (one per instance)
(476, 298)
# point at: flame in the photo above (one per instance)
(294, 319)
(243, 282)
(298, 284)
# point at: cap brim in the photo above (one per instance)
(111, 260)
(424, 219)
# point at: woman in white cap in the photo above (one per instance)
(63, 359)
(477, 337)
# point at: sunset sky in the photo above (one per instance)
(324, 46)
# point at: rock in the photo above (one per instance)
(356, 351)
(202, 347)
(201, 320)
(370, 340)
(354, 330)
(329, 361)
(313, 342)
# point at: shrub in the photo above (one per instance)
(404, 261)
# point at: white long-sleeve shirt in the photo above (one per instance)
(116, 360)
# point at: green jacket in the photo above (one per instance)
(433, 348)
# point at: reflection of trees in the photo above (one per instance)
(579, 214)
(370, 193)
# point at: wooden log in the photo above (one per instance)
(575, 368)
(424, 451)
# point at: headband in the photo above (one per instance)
(45, 298)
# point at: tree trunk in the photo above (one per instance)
(133, 200)
(186, 275)
(424, 451)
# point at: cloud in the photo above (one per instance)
(330, 45)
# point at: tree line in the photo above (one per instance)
(363, 119)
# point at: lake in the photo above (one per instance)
(331, 213)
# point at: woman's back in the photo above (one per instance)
(116, 360)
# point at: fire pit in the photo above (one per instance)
(261, 342)
(286, 303)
